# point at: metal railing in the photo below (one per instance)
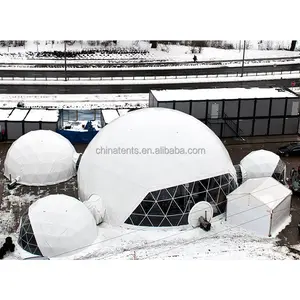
(232, 125)
(238, 74)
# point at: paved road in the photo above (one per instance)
(83, 87)
(108, 72)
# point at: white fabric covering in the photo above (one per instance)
(259, 163)
(255, 204)
(96, 207)
(123, 180)
(62, 225)
(40, 157)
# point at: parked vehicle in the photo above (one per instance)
(292, 149)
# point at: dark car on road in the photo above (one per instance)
(292, 149)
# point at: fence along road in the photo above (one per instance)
(143, 86)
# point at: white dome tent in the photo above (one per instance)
(155, 189)
(262, 163)
(260, 205)
(57, 225)
(39, 158)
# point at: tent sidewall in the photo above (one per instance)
(249, 213)
(280, 214)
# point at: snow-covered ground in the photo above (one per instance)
(162, 53)
(129, 243)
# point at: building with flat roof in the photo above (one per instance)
(232, 112)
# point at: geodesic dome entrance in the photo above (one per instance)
(57, 225)
(26, 237)
(171, 206)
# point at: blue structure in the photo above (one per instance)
(78, 137)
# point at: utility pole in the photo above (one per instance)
(243, 62)
(65, 44)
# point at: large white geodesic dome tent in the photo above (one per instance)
(57, 225)
(40, 157)
(262, 163)
(155, 189)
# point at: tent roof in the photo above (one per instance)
(267, 190)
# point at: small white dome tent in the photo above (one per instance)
(57, 225)
(155, 189)
(262, 163)
(261, 205)
(39, 158)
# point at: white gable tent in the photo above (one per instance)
(123, 180)
(261, 205)
(57, 225)
(41, 157)
(262, 163)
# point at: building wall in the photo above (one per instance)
(14, 130)
(49, 126)
(29, 126)
(242, 117)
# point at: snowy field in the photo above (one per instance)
(162, 53)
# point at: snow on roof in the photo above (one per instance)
(18, 115)
(4, 113)
(50, 116)
(222, 93)
(109, 115)
(123, 112)
(73, 97)
(37, 115)
(267, 190)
